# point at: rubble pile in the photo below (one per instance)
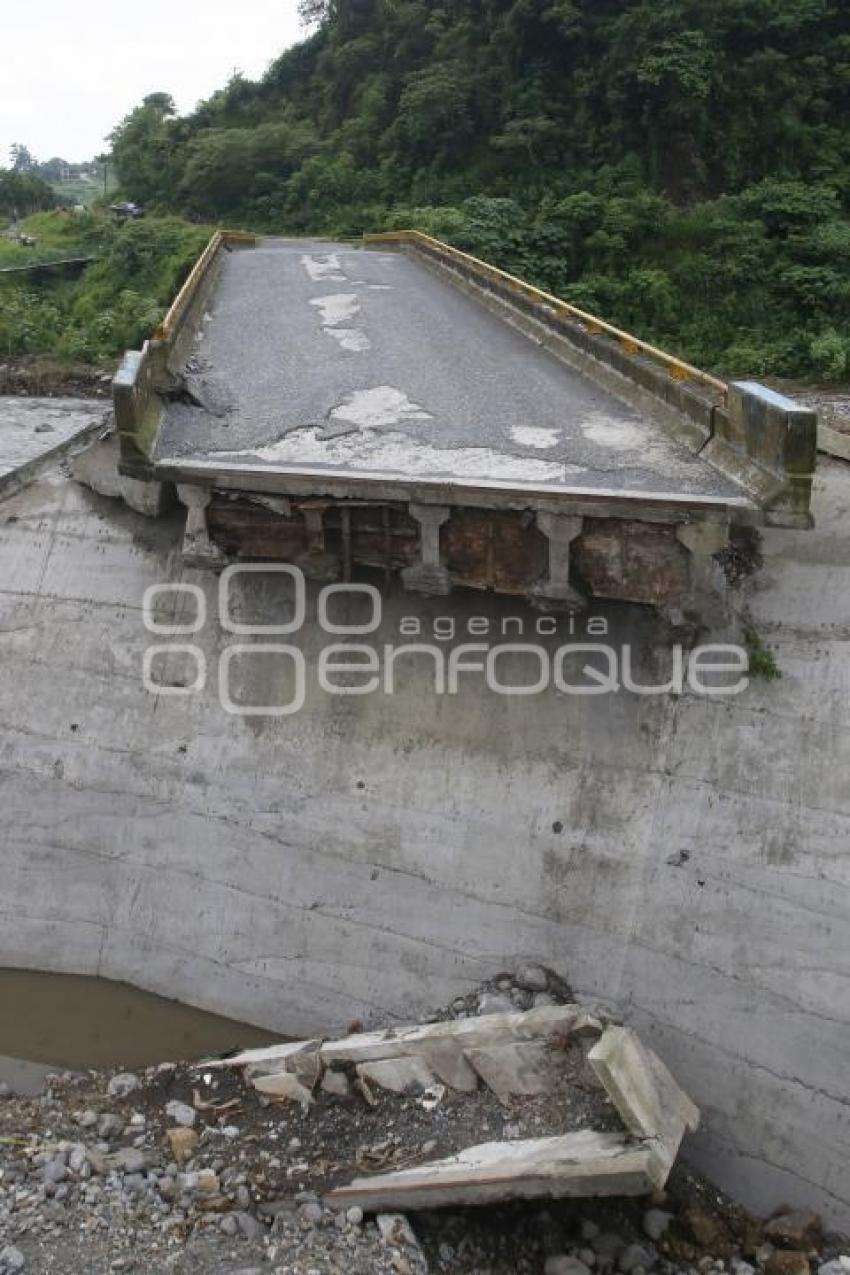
(196, 1169)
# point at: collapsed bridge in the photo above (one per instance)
(405, 406)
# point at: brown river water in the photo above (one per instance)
(52, 1022)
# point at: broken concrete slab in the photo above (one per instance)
(97, 467)
(514, 1068)
(398, 1075)
(576, 1164)
(32, 430)
(649, 1101)
(541, 1055)
(462, 1033)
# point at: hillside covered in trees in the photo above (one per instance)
(681, 167)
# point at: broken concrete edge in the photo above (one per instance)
(23, 475)
(96, 466)
(577, 1165)
(340, 484)
(761, 440)
(648, 1099)
(396, 1042)
(702, 524)
(654, 1109)
(833, 443)
(144, 375)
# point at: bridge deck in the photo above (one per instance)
(320, 357)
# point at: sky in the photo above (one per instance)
(71, 69)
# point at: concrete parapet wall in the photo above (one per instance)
(145, 374)
(773, 442)
(764, 441)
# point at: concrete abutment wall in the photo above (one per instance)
(684, 861)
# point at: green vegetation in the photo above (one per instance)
(116, 302)
(23, 193)
(762, 660)
(681, 167)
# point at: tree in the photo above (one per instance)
(22, 159)
(142, 150)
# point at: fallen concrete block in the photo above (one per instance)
(649, 1101)
(398, 1075)
(576, 1164)
(515, 1068)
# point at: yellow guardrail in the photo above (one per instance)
(182, 301)
(677, 368)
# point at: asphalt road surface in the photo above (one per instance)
(326, 355)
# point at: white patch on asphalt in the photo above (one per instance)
(323, 268)
(381, 287)
(398, 454)
(338, 308)
(350, 339)
(379, 408)
(531, 436)
(624, 436)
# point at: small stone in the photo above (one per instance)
(181, 1113)
(589, 1230)
(337, 1084)
(249, 1226)
(5, 1090)
(656, 1223)
(130, 1160)
(354, 1215)
(838, 1266)
(798, 1228)
(490, 1003)
(122, 1085)
(311, 1212)
(532, 978)
(709, 1230)
(55, 1171)
(110, 1126)
(182, 1142)
(87, 1119)
(12, 1259)
(561, 1264)
(587, 1256)
(543, 1000)
(787, 1261)
(635, 1255)
(229, 1226)
(208, 1183)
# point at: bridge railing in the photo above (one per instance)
(759, 438)
(144, 375)
(677, 368)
